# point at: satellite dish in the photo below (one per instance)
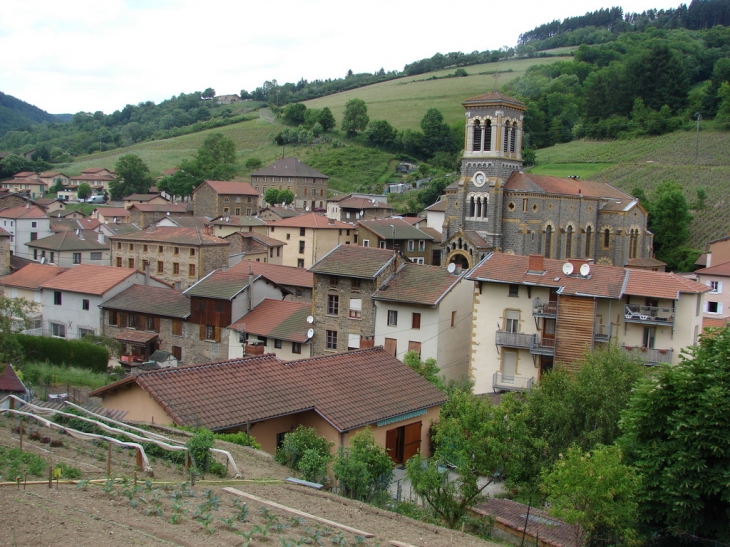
(43, 260)
(306, 209)
(310, 319)
(310, 333)
(585, 269)
(451, 268)
(567, 268)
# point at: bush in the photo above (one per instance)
(313, 466)
(240, 438)
(364, 469)
(65, 352)
(297, 442)
(199, 448)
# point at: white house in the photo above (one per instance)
(426, 309)
(24, 224)
(71, 299)
(717, 301)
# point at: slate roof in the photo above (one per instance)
(418, 284)
(353, 261)
(69, 241)
(495, 97)
(222, 284)
(719, 269)
(438, 207)
(661, 284)
(232, 187)
(383, 228)
(169, 234)
(526, 182)
(289, 167)
(277, 319)
(31, 276)
(349, 390)
(89, 279)
(23, 212)
(310, 220)
(282, 275)
(151, 301)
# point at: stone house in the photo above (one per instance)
(297, 282)
(344, 283)
(277, 213)
(24, 224)
(145, 214)
(353, 207)
(112, 215)
(390, 233)
(219, 198)
(309, 237)
(151, 199)
(494, 206)
(225, 226)
(4, 252)
(269, 398)
(426, 309)
(71, 248)
(254, 247)
(531, 314)
(308, 185)
(179, 256)
(273, 326)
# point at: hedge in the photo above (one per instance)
(65, 352)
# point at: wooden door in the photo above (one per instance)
(391, 438)
(411, 440)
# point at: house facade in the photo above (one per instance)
(24, 224)
(308, 185)
(390, 233)
(26, 283)
(717, 299)
(351, 208)
(531, 314)
(218, 198)
(71, 248)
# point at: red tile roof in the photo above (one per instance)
(438, 207)
(311, 220)
(282, 275)
(110, 212)
(362, 203)
(661, 284)
(289, 167)
(89, 279)
(418, 284)
(230, 187)
(277, 319)
(349, 390)
(717, 269)
(170, 234)
(526, 182)
(23, 211)
(497, 98)
(151, 301)
(31, 276)
(644, 263)
(354, 261)
(9, 380)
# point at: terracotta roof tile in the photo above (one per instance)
(23, 212)
(311, 220)
(644, 263)
(69, 241)
(282, 275)
(277, 319)
(435, 234)
(526, 182)
(113, 211)
(31, 276)
(232, 187)
(151, 301)
(718, 269)
(89, 279)
(169, 234)
(9, 380)
(497, 98)
(289, 167)
(661, 284)
(418, 284)
(383, 228)
(438, 207)
(349, 390)
(353, 261)
(362, 203)
(161, 207)
(136, 336)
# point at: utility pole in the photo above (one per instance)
(697, 137)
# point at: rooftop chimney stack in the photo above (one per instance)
(536, 263)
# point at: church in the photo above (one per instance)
(495, 207)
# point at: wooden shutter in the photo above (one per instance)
(391, 346)
(157, 324)
(391, 438)
(177, 352)
(412, 441)
(415, 346)
(202, 332)
(217, 334)
(416, 322)
(123, 319)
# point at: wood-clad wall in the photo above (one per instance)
(574, 329)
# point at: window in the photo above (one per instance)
(606, 238)
(382, 244)
(95, 255)
(35, 254)
(34, 224)
(588, 242)
(130, 263)
(192, 252)
(411, 245)
(176, 352)
(119, 245)
(391, 346)
(159, 248)
(649, 337)
(113, 318)
(151, 324)
(83, 332)
(191, 270)
(416, 321)
(57, 298)
(296, 347)
(334, 280)
(34, 236)
(713, 307)
(277, 343)
(176, 251)
(512, 321)
(366, 243)
(514, 290)
(355, 308)
(331, 337)
(301, 247)
(177, 328)
(300, 263)
(131, 246)
(302, 231)
(414, 346)
(355, 284)
(392, 318)
(548, 241)
(160, 267)
(132, 321)
(77, 258)
(715, 287)
(288, 237)
(421, 245)
(418, 260)
(85, 304)
(333, 304)
(264, 341)
(175, 268)
(453, 319)
(58, 330)
(144, 248)
(569, 242)
(119, 262)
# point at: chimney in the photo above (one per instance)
(100, 237)
(535, 263)
(330, 221)
(250, 287)
(396, 253)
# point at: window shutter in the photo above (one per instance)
(719, 286)
(202, 332)
(123, 319)
(719, 308)
(157, 324)
(356, 304)
(217, 334)
(391, 346)
(415, 346)
(353, 340)
(416, 322)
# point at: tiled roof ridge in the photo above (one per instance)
(331, 355)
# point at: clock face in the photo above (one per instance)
(479, 178)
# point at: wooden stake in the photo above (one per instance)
(135, 478)
(109, 461)
(50, 476)
(139, 459)
(21, 437)
(25, 480)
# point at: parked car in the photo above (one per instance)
(96, 199)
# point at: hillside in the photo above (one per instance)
(17, 114)
(644, 163)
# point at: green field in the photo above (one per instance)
(583, 170)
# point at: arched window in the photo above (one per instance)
(485, 202)
(633, 243)
(506, 136)
(588, 242)
(512, 134)
(472, 207)
(479, 207)
(569, 242)
(477, 141)
(606, 238)
(488, 135)
(548, 241)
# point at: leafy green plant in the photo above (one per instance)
(199, 449)
(297, 442)
(242, 509)
(364, 469)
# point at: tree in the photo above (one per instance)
(13, 164)
(133, 177)
(253, 163)
(355, 117)
(675, 434)
(669, 221)
(294, 113)
(208, 94)
(14, 317)
(286, 197)
(594, 492)
(364, 469)
(84, 191)
(381, 133)
(326, 119)
(437, 136)
(427, 369)
(298, 442)
(272, 196)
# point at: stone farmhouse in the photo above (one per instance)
(254, 247)
(298, 282)
(179, 256)
(390, 233)
(531, 314)
(494, 206)
(338, 395)
(71, 248)
(351, 208)
(308, 185)
(145, 214)
(218, 198)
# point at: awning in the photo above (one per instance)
(136, 338)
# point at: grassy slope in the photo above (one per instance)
(645, 163)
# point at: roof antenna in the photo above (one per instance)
(496, 76)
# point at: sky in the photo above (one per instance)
(89, 55)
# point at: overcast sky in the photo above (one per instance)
(91, 55)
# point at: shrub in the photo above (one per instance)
(199, 447)
(240, 438)
(313, 466)
(364, 469)
(297, 442)
(65, 352)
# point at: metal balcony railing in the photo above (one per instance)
(602, 333)
(545, 346)
(650, 356)
(544, 308)
(656, 315)
(511, 383)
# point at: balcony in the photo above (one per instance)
(501, 382)
(544, 308)
(650, 356)
(602, 333)
(545, 346)
(649, 315)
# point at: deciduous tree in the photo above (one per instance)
(326, 119)
(272, 196)
(364, 469)
(669, 221)
(355, 117)
(133, 177)
(83, 191)
(14, 317)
